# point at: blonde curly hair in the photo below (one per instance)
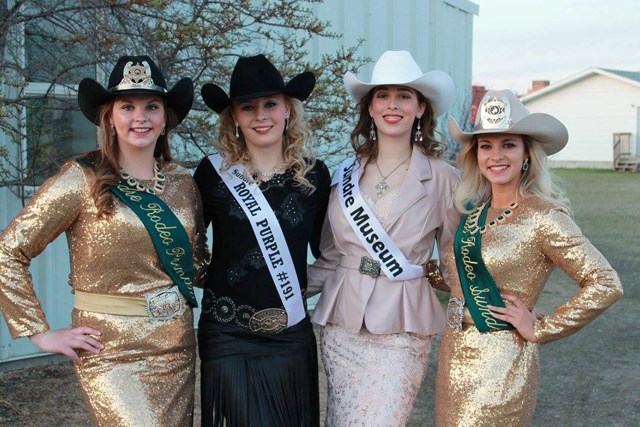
(296, 145)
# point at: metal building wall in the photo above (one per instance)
(438, 33)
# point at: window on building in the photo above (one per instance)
(56, 129)
(54, 134)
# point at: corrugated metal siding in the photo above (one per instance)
(592, 109)
(438, 33)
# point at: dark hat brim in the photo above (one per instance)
(92, 95)
(215, 97)
(300, 87)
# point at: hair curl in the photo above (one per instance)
(296, 145)
(106, 164)
(364, 146)
(475, 189)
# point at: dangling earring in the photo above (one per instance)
(418, 136)
(237, 131)
(525, 165)
(286, 123)
(372, 132)
(164, 129)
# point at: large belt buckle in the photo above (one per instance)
(269, 321)
(455, 313)
(165, 304)
(369, 267)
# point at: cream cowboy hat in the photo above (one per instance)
(500, 111)
(397, 67)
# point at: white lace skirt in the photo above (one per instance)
(372, 379)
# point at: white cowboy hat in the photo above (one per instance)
(397, 67)
(500, 111)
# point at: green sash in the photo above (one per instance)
(478, 286)
(169, 237)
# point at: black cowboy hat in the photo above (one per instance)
(134, 75)
(255, 77)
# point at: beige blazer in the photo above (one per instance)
(424, 215)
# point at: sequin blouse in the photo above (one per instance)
(112, 255)
(521, 253)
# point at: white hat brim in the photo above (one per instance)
(540, 127)
(436, 86)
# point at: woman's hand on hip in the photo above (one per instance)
(68, 340)
(517, 314)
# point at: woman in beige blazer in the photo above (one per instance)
(389, 205)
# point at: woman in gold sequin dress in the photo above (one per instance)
(516, 228)
(132, 336)
(377, 323)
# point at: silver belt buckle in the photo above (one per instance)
(165, 304)
(369, 266)
(455, 313)
(269, 321)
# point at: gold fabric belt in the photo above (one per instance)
(162, 305)
(111, 304)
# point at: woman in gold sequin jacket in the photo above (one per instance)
(516, 228)
(132, 336)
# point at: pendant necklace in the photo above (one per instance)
(382, 187)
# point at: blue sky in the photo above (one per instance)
(517, 41)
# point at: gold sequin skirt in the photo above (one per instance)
(373, 379)
(144, 376)
(486, 379)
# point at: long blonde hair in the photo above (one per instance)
(475, 189)
(364, 146)
(296, 144)
(105, 160)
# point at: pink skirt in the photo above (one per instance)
(372, 379)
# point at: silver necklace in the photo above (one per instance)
(382, 187)
(269, 173)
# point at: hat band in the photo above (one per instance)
(132, 86)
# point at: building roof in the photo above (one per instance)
(631, 77)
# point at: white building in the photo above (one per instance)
(601, 110)
(437, 32)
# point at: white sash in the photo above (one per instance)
(269, 235)
(370, 232)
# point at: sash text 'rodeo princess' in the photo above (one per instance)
(169, 237)
(270, 237)
(370, 232)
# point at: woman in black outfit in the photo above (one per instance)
(265, 195)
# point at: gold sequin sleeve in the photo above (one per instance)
(201, 254)
(564, 244)
(51, 211)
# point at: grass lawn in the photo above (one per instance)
(591, 377)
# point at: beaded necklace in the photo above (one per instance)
(158, 180)
(472, 220)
